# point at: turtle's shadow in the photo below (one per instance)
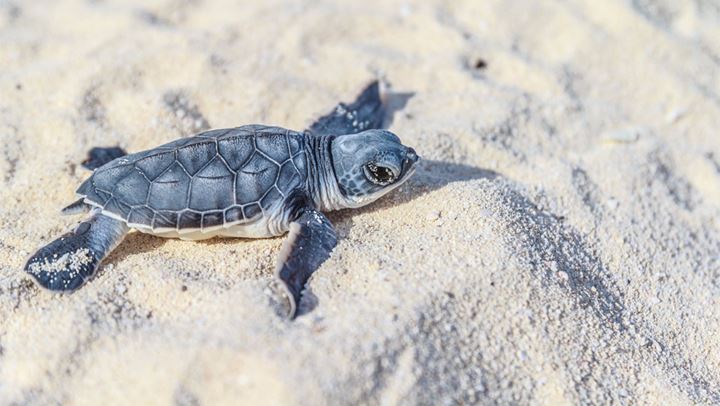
(135, 243)
(432, 175)
(138, 243)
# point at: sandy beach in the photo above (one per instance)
(559, 243)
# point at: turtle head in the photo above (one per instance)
(370, 164)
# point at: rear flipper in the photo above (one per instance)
(309, 243)
(68, 262)
(99, 156)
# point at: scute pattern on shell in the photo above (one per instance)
(215, 178)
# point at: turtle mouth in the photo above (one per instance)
(408, 173)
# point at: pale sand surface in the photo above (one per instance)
(559, 244)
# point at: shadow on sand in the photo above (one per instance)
(431, 175)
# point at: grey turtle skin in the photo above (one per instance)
(252, 181)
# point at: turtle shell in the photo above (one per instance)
(215, 178)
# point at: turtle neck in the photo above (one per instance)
(322, 184)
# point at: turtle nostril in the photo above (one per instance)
(411, 155)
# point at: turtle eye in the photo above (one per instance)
(379, 175)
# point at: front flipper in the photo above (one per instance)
(309, 243)
(68, 262)
(365, 113)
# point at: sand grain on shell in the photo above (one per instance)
(559, 244)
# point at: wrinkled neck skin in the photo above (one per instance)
(322, 185)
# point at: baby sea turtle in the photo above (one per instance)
(253, 181)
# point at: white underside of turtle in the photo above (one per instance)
(258, 227)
